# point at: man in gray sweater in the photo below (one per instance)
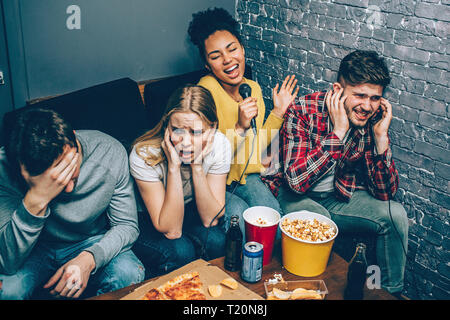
(67, 210)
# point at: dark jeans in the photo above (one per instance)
(161, 255)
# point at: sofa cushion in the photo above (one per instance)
(115, 108)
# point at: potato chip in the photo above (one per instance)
(305, 294)
(280, 294)
(215, 290)
(230, 283)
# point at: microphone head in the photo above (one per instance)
(245, 91)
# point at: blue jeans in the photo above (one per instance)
(125, 269)
(253, 193)
(161, 255)
(364, 214)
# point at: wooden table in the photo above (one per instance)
(335, 277)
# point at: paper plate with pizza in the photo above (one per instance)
(197, 280)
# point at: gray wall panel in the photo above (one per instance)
(141, 39)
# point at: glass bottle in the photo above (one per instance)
(233, 246)
(356, 275)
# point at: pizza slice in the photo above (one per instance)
(154, 294)
(187, 286)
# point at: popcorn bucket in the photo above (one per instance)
(261, 225)
(306, 258)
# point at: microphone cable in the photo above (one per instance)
(390, 213)
(203, 251)
(389, 201)
(398, 234)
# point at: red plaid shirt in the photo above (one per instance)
(309, 148)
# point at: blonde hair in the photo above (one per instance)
(191, 98)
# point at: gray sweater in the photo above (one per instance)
(103, 202)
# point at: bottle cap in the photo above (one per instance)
(361, 245)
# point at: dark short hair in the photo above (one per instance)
(360, 66)
(37, 138)
(205, 23)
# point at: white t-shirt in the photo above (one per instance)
(216, 162)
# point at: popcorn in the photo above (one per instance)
(308, 229)
(261, 221)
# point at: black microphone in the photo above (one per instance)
(245, 91)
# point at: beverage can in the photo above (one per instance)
(252, 262)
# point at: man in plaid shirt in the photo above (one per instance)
(335, 160)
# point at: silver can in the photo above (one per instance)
(252, 262)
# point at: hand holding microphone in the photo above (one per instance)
(248, 109)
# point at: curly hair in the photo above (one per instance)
(362, 66)
(205, 23)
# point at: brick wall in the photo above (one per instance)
(309, 38)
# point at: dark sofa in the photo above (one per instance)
(115, 108)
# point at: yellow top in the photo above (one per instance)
(227, 113)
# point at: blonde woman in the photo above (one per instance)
(180, 168)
